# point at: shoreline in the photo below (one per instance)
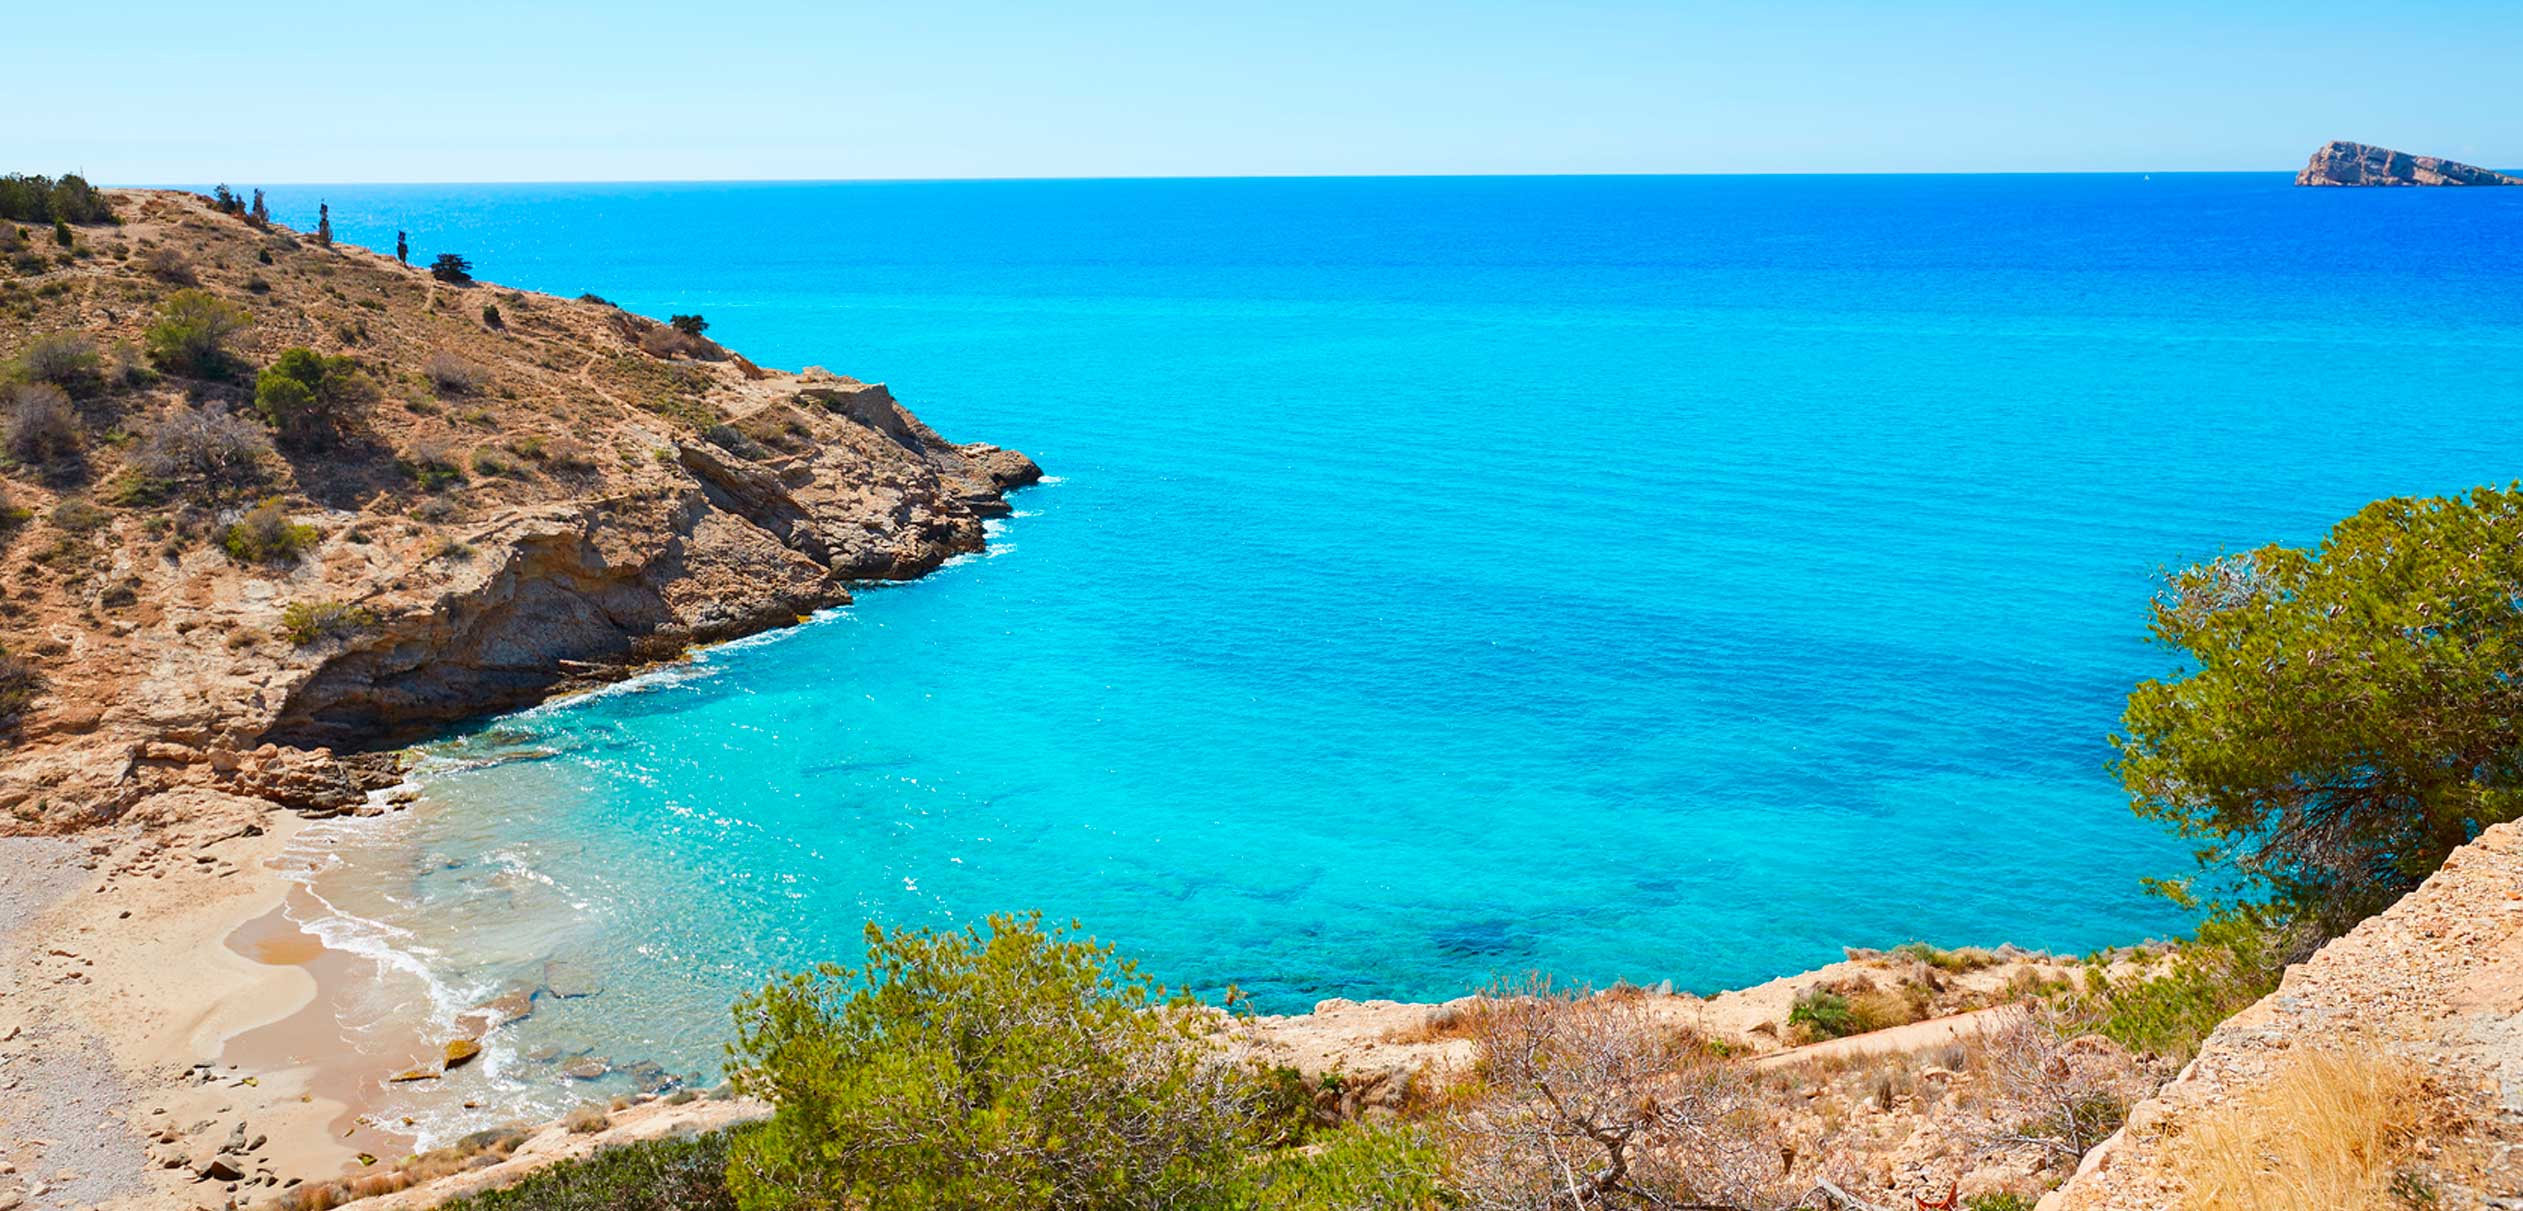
(211, 965)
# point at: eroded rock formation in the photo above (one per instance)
(2344, 163)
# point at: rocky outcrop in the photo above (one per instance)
(2343, 163)
(571, 503)
(2435, 982)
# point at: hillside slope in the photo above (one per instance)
(2425, 1002)
(527, 493)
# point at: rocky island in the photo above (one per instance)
(2345, 163)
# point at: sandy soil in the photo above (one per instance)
(124, 996)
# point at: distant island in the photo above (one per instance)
(2344, 163)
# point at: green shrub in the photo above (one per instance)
(689, 325)
(1823, 1015)
(2345, 716)
(2169, 1008)
(266, 535)
(491, 318)
(305, 622)
(192, 333)
(452, 269)
(997, 1067)
(36, 199)
(307, 397)
(2003, 1201)
(1363, 1167)
(67, 360)
(671, 1174)
(76, 516)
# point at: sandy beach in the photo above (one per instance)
(132, 1054)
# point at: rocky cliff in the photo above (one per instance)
(2387, 1070)
(533, 493)
(2343, 163)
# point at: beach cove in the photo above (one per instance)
(1281, 684)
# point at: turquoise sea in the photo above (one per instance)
(1660, 579)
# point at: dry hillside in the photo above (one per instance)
(507, 493)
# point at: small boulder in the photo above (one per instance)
(460, 1052)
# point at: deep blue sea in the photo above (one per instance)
(1660, 579)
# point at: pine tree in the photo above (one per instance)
(225, 200)
(324, 224)
(402, 248)
(261, 214)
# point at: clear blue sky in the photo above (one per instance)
(158, 91)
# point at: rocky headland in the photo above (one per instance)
(545, 493)
(214, 627)
(2345, 163)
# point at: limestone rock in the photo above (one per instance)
(2343, 163)
(460, 1052)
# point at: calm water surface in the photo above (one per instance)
(1633, 578)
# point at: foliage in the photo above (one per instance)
(61, 234)
(203, 445)
(677, 1173)
(432, 460)
(402, 248)
(41, 427)
(19, 684)
(1590, 1102)
(170, 266)
(2001, 1201)
(192, 333)
(2047, 1084)
(452, 374)
(259, 214)
(67, 360)
(2351, 714)
(305, 622)
(2168, 1009)
(1000, 1066)
(324, 224)
(307, 397)
(38, 199)
(452, 269)
(1362, 1167)
(491, 317)
(225, 200)
(266, 535)
(689, 325)
(1822, 1014)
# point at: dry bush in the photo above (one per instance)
(1456, 1020)
(41, 426)
(67, 360)
(2046, 1088)
(452, 374)
(2333, 1129)
(170, 266)
(1588, 1102)
(661, 341)
(204, 445)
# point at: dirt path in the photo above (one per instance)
(1914, 1037)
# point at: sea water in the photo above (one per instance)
(1649, 579)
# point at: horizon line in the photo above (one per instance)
(1271, 176)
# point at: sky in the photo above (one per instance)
(162, 91)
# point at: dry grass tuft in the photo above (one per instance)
(2332, 1132)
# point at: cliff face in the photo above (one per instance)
(543, 493)
(2343, 163)
(2431, 987)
